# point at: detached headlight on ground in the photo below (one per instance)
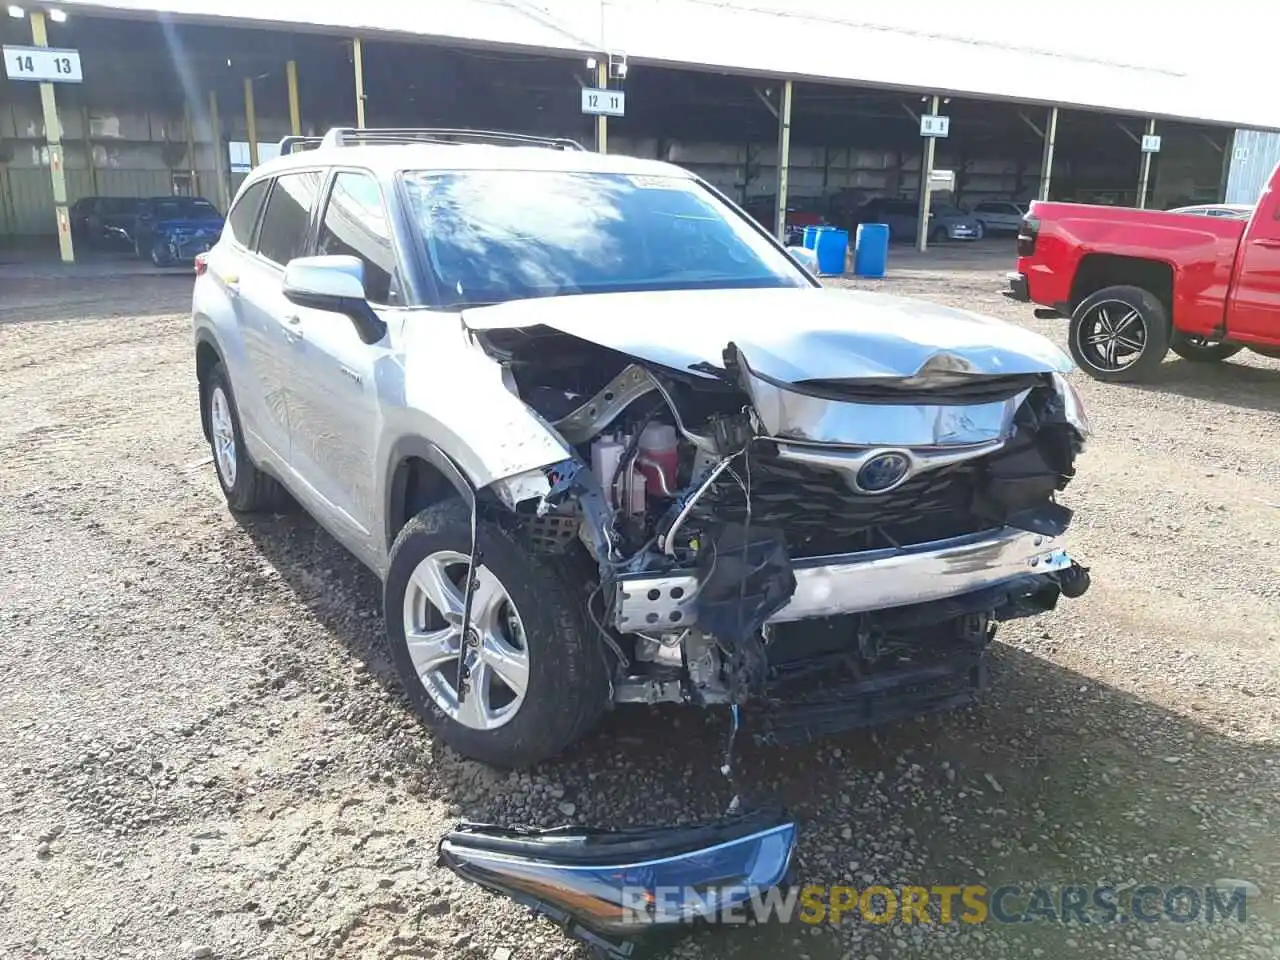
(608, 886)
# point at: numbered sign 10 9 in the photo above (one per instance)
(610, 103)
(42, 64)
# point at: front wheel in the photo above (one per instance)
(938, 235)
(1204, 350)
(1119, 334)
(534, 678)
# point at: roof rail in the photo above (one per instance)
(287, 144)
(379, 136)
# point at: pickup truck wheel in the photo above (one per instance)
(1204, 350)
(247, 489)
(536, 676)
(1119, 334)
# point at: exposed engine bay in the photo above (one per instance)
(741, 530)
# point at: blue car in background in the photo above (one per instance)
(174, 230)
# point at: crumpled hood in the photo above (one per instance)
(789, 334)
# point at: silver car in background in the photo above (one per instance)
(1000, 216)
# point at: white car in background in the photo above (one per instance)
(1000, 216)
(1234, 211)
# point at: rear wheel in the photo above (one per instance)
(1119, 334)
(247, 489)
(1204, 350)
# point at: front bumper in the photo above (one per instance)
(1018, 288)
(857, 582)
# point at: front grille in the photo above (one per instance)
(819, 514)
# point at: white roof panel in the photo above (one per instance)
(1137, 56)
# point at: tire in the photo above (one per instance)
(938, 235)
(1134, 327)
(160, 255)
(565, 672)
(1203, 350)
(247, 489)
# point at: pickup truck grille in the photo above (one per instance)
(820, 515)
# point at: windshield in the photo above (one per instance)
(498, 235)
(944, 210)
(181, 208)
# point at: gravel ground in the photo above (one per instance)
(203, 751)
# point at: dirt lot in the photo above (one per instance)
(203, 753)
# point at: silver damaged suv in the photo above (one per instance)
(605, 441)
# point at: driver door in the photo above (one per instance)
(335, 411)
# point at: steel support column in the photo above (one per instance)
(602, 122)
(188, 122)
(1144, 177)
(53, 139)
(219, 152)
(357, 60)
(784, 158)
(250, 122)
(926, 174)
(295, 111)
(1046, 160)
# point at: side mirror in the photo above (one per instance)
(335, 284)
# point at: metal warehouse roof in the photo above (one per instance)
(1127, 56)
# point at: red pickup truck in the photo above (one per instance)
(1137, 283)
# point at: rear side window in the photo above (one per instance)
(355, 224)
(244, 213)
(283, 234)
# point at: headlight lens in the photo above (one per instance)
(1072, 405)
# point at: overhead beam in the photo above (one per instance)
(1129, 133)
(1217, 147)
(768, 104)
(909, 112)
(1032, 124)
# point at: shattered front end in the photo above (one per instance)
(608, 888)
(840, 506)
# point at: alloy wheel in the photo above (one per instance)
(494, 652)
(1112, 335)
(224, 436)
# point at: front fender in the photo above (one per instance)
(457, 396)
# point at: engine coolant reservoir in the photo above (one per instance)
(606, 454)
(659, 458)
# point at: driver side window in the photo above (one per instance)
(355, 224)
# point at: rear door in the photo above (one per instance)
(334, 414)
(269, 322)
(1254, 312)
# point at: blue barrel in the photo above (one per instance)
(811, 237)
(832, 248)
(871, 250)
